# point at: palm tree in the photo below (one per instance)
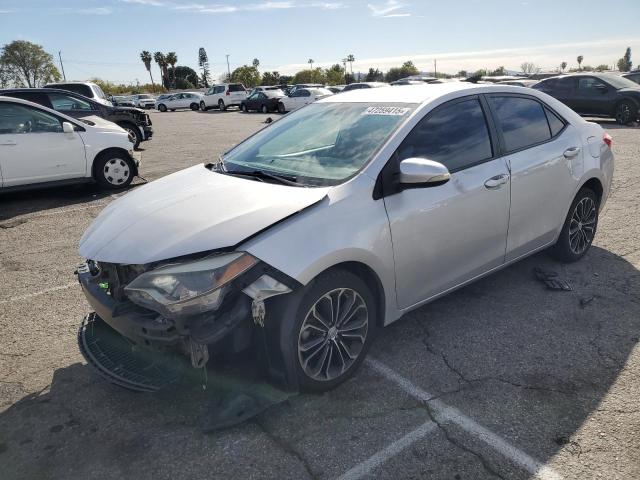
(256, 62)
(580, 58)
(310, 62)
(344, 63)
(172, 59)
(351, 59)
(563, 65)
(146, 59)
(162, 63)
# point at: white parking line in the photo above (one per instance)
(364, 469)
(36, 294)
(453, 415)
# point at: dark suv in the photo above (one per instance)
(133, 120)
(596, 94)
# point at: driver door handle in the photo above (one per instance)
(495, 182)
(571, 152)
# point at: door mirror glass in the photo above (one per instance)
(67, 127)
(423, 172)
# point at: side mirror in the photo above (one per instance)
(603, 88)
(419, 172)
(67, 127)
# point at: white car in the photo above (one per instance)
(144, 100)
(42, 147)
(180, 100)
(320, 229)
(88, 89)
(223, 96)
(302, 97)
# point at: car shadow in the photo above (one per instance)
(15, 204)
(512, 354)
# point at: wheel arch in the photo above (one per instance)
(595, 184)
(107, 151)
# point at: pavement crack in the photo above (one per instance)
(287, 448)
(483, 461)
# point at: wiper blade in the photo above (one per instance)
(262, 175)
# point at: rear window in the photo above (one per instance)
(236, 87)
(522, 120)
(76, 88)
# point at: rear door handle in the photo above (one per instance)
(495, 182)
(571, 152)
(8, 142)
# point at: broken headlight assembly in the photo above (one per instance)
(189, 288)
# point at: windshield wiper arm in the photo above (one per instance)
(262, 175)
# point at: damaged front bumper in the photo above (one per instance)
(228, 329)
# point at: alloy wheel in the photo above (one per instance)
(582, 226)
(333, 334)
(116, 171)
(623, 113)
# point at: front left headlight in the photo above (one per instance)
(188, 288)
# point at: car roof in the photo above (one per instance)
(43, 90)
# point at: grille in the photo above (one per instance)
(118, 361)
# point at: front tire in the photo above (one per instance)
(625, 112)
(264, 109)
(243, 108)
(579, 228)
(114, 170)
(162, 107)
(194, 107)
(281, 108)
(133, 132)
(327, 330)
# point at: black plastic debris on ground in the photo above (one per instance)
(234, 392)
(552, 280)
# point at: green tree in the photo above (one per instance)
(374, 76)
(351, 59)
(146, 58)
(334, 75)
(563, 65)
(498, 72)
(463, 73)
(602, 68)
(161, 60)
(310, 76)
(624, 64)
(270, 78)
(285, 79)
(185, 77)
(249, 76)
(203, 63)
(171, 59)
(407, 69)
(580, 59)
(25, 63)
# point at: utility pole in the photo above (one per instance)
(435, 71)
(228, 69)
(61, 65)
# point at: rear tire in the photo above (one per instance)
(264, 109)
(320, 356)
(625, 112)
(221, 106)
(579, 228)
(281, 108)
(194, 107)
(203, 106)
(114, 170)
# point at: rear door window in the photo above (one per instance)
(77, 88)
(454, 134)
(522, 121)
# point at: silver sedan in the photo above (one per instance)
(339, 218)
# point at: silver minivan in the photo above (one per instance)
(310, 236)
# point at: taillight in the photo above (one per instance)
(608, 140)
(228, 92)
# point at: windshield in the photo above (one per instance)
(321, 144)
(619, 82)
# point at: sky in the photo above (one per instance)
(104, 38)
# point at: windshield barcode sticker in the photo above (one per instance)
(397, 111)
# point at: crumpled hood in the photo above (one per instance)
(190, 211)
